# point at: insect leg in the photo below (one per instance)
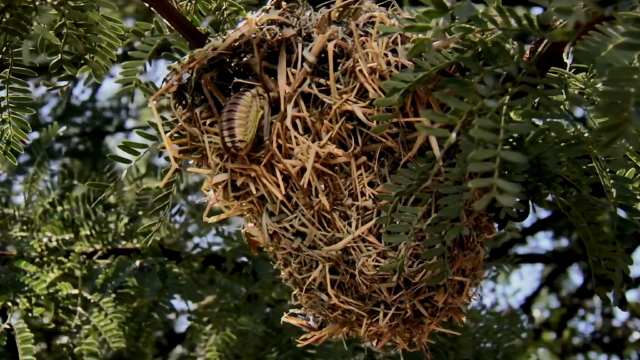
(206, 84)
(267, 124)
(167, 144)
(269, 86)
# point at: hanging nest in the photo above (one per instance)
(310, 185)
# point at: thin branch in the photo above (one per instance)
(544, 224)
(100, 133)
(548, 282)
(217, 261)
(557, 257)
(179, 22)
(547, 55)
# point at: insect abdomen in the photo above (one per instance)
(241, 117)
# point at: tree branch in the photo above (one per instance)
(548, 282)
(544, 224)
(548, 55)
(217, 261)
(557, 257)
(100, 133)
(179, 22)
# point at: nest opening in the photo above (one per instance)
(310, 187)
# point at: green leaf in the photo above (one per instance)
(135, 145)
(483, 202)
(20, 99)
(439, 117)
(436, 279)
(387, 101)
(97, 185)
(399, 228)
(22, 71)
(383, 220)
(432, 241)
(127, 80)
(393, 85)
(393, 188)
(9, 156)
(119, 159)
(440, 5)
(158, 26)
(24, 340)
(506, 200)
(40, 30)
(23, 124)
(379, 129)
(411, 209)
(509, 186)
(463, 29)
(392, 266)
(163, 198)
(404, 217)
(431, 13)
(146, 136)
(514, 156)
(418, 47)
(450, 211)
(401, 180)
(395, 239)
(132, 64)
(146, 227)
(106, 4)
(129, 150)
(479, 167)
(452, 101)
(453, 233)
(482, 154)
(450, 200)
(386, 29)
(432, 131)
(486, 123)
(485, 135)
(386, 197)
(480, 183)
(435, 229)
(630, 46)
(408, 174)
(520, 128)
(434, 265)
(431, 253)
(382, 117)
(417, 28)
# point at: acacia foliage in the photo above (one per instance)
(547, 125)
(91, 261)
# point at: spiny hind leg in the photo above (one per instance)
(167, 144)
(271, 88)
(207, 87)
(258, 68)
(266, 124)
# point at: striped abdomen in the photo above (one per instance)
(240, 118)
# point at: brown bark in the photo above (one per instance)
(179, 22)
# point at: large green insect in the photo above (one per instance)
(240, 119)
(244, 112)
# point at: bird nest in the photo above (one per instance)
(310, 183)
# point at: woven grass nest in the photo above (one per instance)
(309, 190)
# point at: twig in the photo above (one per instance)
(179, 22)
